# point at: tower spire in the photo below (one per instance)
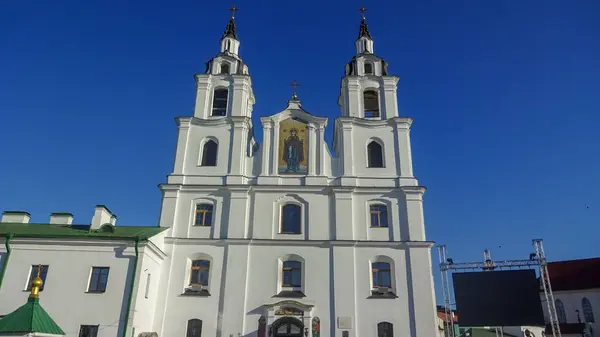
(229, 41)
(364, 28)
(230, 28)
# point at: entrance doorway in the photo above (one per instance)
(288, 327)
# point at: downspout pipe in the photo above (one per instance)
(131, 286)
(7, 239)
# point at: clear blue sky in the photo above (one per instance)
(505, 97)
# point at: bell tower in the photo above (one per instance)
(225, 88)
(367, 91)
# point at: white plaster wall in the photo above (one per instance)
(328, 213)
(244, 277)
(65, 294)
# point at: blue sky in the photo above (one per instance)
(504, 95)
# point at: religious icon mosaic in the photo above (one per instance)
(293, 146)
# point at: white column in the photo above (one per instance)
(203, 100)
(321, 150)
(238, 148)
(182, 140)
(414, 213)
(403, 147)
(312, 146)
(391, 98)
(267, 145)
(275, 150)
(347, 149)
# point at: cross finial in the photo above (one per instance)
(233, 9)
(363, 9)
(39, 271)
(294, 85)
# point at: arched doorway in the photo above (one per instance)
(288, 327)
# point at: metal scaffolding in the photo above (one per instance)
(537, 259)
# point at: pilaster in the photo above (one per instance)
(414, 212)
(312, 145)
(347, 149)
(404, 155)
(390, 101)
(322, 151)
(267, 147)
(203, 99)
(239, 141)
(344, 221)
(182, 145)
(237, 222)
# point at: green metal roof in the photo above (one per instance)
(77, 231)
(30, 317)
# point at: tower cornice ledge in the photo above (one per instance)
(399, 121)
(213, 121)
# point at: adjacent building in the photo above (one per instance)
(576, 288)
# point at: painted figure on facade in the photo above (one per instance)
(316, 327)
(292, 146)
(293, 152)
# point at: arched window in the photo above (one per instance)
(371, 102)
(382, 275)
(588, 313)
(374, 154)
(204, 215)
(560, 311)
(209, 153)
(199, 273)
(385, 329)
(224, 68)
(291, 274)
(220, 102)
(194, 328)
(368, 68)
(379, 216)
(291, 219)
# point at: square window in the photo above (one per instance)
(204, 215)
(34, 273)
(199, 273)
(88, 331)
(98, 280)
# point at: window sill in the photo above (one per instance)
(195, 292)
(289, 233)
(290, 294)
(380, 227)
(202, 226)
(375, 294)
(95, 291)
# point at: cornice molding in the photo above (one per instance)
(308, 243)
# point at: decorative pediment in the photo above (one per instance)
(288, 308)
(295, 111)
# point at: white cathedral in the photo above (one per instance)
(289, 238)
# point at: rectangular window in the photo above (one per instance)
(98, 280)
(88, 331)
(199, 275)
(147, 286)
(292, 274)
(204, 214)
(382, 275)
(33, 274)
(220, 102)
(379, 216)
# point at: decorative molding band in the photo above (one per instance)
(307, 243)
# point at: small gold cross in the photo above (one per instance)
(363, 10)
(294, 85)
(233, 9)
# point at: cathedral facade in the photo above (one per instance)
(289, 238)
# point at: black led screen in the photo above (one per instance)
(498, 298)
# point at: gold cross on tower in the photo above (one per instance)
(233, 9)
(363, 10)
(294, 85)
